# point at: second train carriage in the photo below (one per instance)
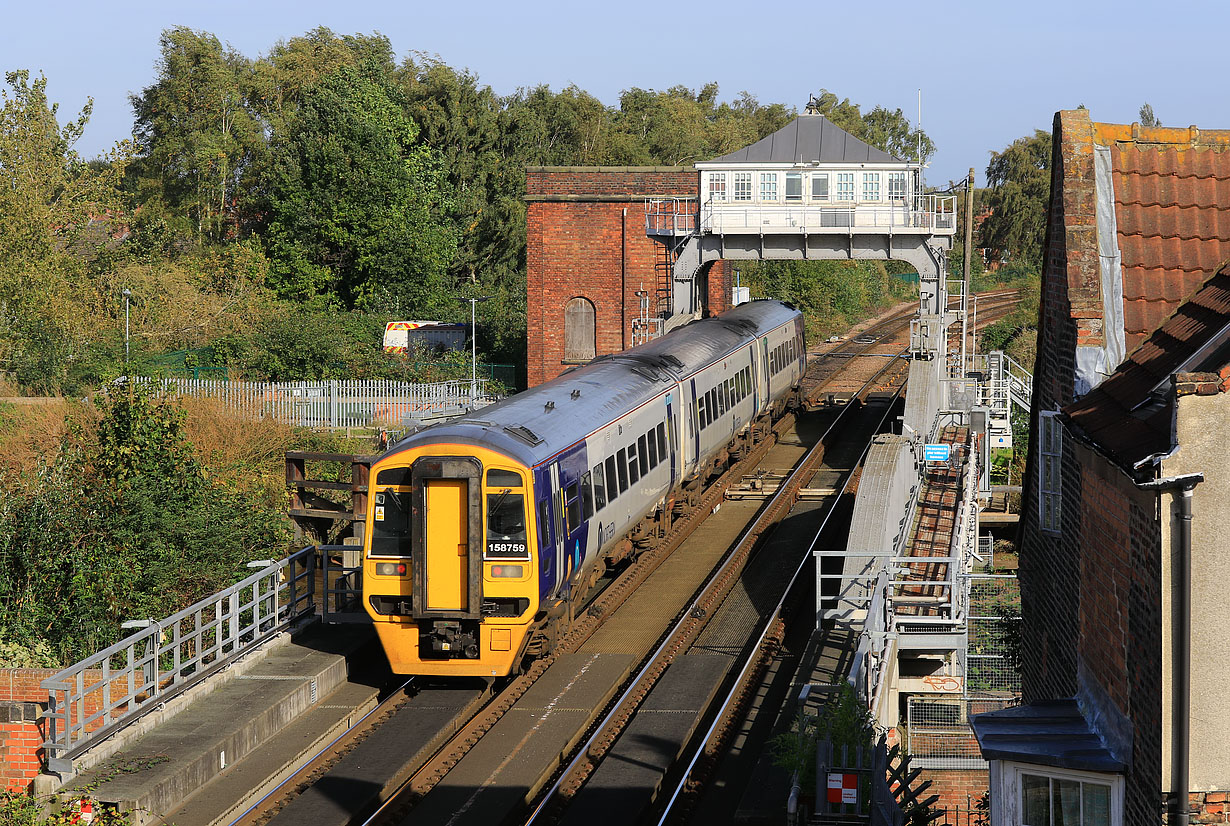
(480, 529)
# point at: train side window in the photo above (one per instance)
(587, 495)
(544, 533)
(612, 481)
(599, 489)
(773, 361)
(634, 472)
(642, 456)
(621, 462)
(730, 392)
(700, 412)
(653, 449)
(714, 411)
(662, 452)
(572, 506)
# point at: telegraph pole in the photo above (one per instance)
(965, 297)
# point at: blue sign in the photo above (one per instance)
(936, 453)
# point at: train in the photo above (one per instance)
(483, 533)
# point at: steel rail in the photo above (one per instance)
(315, 761)
(754, 653)
(764, 519)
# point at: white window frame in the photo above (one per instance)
(871, 186)
(743, 186)
(768, 187)
(1006, 790)
(797, 177)
(816, 177)
(717, 187)
(844, 187)
(1050, 471)
(898, 186)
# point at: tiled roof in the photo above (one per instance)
(1172, 210)
(1122, 414)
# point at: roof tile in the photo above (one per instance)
(1121, 414)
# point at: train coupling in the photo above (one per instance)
(447, 638)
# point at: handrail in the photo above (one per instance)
(93, 698)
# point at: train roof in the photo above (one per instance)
(538, 423)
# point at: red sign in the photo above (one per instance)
(843, 788)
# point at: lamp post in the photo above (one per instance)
(474, 344)
(127, 296)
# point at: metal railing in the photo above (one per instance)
(339, 404)
(934, 214)
(670, 216)
(91, 699)
(938, 732)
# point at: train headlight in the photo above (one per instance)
(508, 571)
(390, 569)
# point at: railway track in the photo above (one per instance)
(410, 743)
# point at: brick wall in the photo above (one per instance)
(1093, 594)
(21, 701)
(585, 237)
(959, 791)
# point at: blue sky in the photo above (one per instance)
(989, 71)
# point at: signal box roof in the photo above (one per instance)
(807, 139)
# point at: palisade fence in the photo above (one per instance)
(340, 404)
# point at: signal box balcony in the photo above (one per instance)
(918, 214)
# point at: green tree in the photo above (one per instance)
(1147, 118)
(196, 134)
(358, 206)
(885, 129)
(1019, 181)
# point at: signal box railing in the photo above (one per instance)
(92, 699)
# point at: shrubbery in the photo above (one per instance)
(123, 524)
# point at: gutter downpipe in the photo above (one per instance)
(1181, 681)
(623, 281)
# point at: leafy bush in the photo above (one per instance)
(126, 524)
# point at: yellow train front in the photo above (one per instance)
(447, 569)
(481, 531)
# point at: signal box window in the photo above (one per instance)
(768, 186)
(794, 186)
(717, 186)
(845, 186)
(819, 186)
(506, 525)
(743, 186)
(579, 336)
(896, 186)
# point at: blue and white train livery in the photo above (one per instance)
(480, 531)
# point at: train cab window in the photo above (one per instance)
(587, 495)
(506, 524)
(599, 488)
(612, 481)
(662, 453)
(634, 467)
(621, 463)
(653, 449)
(497, 478)
(572, 506)
(391, 525)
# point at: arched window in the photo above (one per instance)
(579, 342)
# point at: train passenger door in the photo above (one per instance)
(560, 531)
(447, 544)
(446, 537)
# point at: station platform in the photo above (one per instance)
(250, 732)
